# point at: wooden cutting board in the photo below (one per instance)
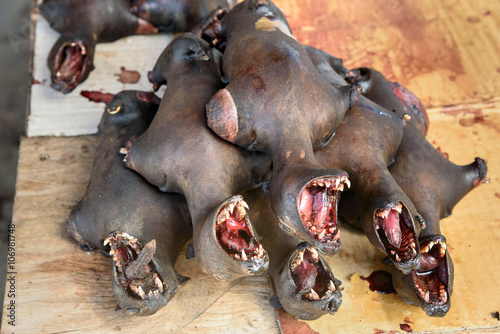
(446, 52)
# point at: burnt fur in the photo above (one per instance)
(180, 153)
(283, 250)
(276, 102)
(119, 199)
(177, 15)
(87, 22)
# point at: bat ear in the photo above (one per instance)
(222, 115)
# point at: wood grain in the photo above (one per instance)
(446, 52)
(61, 288)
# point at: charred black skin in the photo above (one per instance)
(119, 199)
(283, 248)
(179, 153)
(364, 145)
(276, 102)
(433, 183)
(87, 23)
(178, 15)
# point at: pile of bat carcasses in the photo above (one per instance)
(251, 118)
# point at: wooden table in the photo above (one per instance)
(446, 52)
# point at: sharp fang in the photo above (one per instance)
(322, 234)
(106, 241)
(112, 251)
(442, 251)
(123, 150)
(337, 182)
(301, 257)
(397, 258)
(331, 286)
(141, 292)
(158, 283)
(328, 183)
(427, 297)
(314, 251)
(348, 183)
(314, 295)
(245, 205)
(243, 255)
(230, 207)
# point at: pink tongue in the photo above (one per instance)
(305, 276)
(72, 62)
(428, 262)
(392, 229)
(320, 208)
(234, 225)
(306, 203)
(314, 206)
(233, 241)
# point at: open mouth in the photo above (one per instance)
(70, 64)
(234, 233)
(318, 207)
(312, 279)
(431, 280)
(210, 29)
(134, 267)
(396, 232)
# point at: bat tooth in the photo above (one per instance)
(321, 235)
(313, 251)
(107, 240)
(331, 286)
(244, 255)
(123, 150)
(315, 257)
(112, 251)
(301, 257)
(58, 74)
(314, 295)
(328, 183)
(347, 182)
(397, 258)
(245, 205)
(427, 298)
(424, 249)
(141, 292)
(321, 184)
(337, 182)
(399, 207)
(158, 283)
(442, 252)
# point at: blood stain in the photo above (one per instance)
(291, 325)
(97, 96)
(380, 281)
(406, 327)
(127, 76)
